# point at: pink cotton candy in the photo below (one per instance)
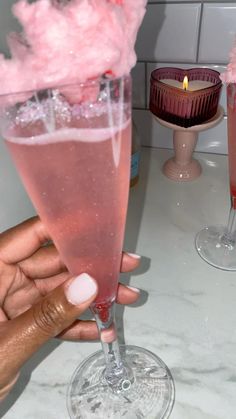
(229, 76)
(75, 43)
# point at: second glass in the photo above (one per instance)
(72, 148)
(217, 244)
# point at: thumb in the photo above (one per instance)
(24, 335)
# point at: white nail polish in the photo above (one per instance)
(134, 256)
(133, 289)
(82, 288)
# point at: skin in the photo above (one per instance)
(33, 305)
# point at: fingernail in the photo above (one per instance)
(134, 255)
(133, 289)
(81, 289)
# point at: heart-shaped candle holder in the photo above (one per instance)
(186, 112)
(184, 107)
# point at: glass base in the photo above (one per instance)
(151, 394)
(215, 248)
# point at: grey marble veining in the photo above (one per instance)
(186, 314)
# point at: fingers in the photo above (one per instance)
(24, 335)
(44, 263)
(45, 286)
(130, 261)
(55, 271)
(127, 294)
(80, 330)
(87, 330)
(21, 244)
(22, 241)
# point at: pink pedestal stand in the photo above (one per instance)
(182, 167)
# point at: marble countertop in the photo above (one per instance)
(186, 314)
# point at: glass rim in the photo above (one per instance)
(89, 83)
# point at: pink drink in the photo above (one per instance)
(78, 180)
(231, 99)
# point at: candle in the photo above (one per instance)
(184, 97)
(193, 85)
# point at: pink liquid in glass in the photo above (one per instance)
(231, 98)
(78, 180)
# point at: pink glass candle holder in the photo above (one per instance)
(170, 102)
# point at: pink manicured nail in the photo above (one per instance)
(134, 255)
(81, 289)
(133, 289)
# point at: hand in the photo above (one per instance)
(39, 299)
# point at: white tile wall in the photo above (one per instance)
(169, 33)
(139, 81)
(217, 32)
(183, 33)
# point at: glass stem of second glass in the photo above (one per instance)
(228, 239)
(117, 374)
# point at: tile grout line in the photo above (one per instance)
(199, 31)
(207, 64)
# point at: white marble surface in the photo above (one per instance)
(187, 312)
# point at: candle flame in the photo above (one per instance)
(185, 83)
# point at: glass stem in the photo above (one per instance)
(117, 374)
(230, 234)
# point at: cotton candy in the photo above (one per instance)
(77, 42)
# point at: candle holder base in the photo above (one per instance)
(182, 167)
(178, 172)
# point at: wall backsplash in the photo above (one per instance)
(187, 34)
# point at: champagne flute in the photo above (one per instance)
(72, 147)
(217, 244)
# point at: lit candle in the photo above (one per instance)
(185, 83)
(184, 97)
(188, 86)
